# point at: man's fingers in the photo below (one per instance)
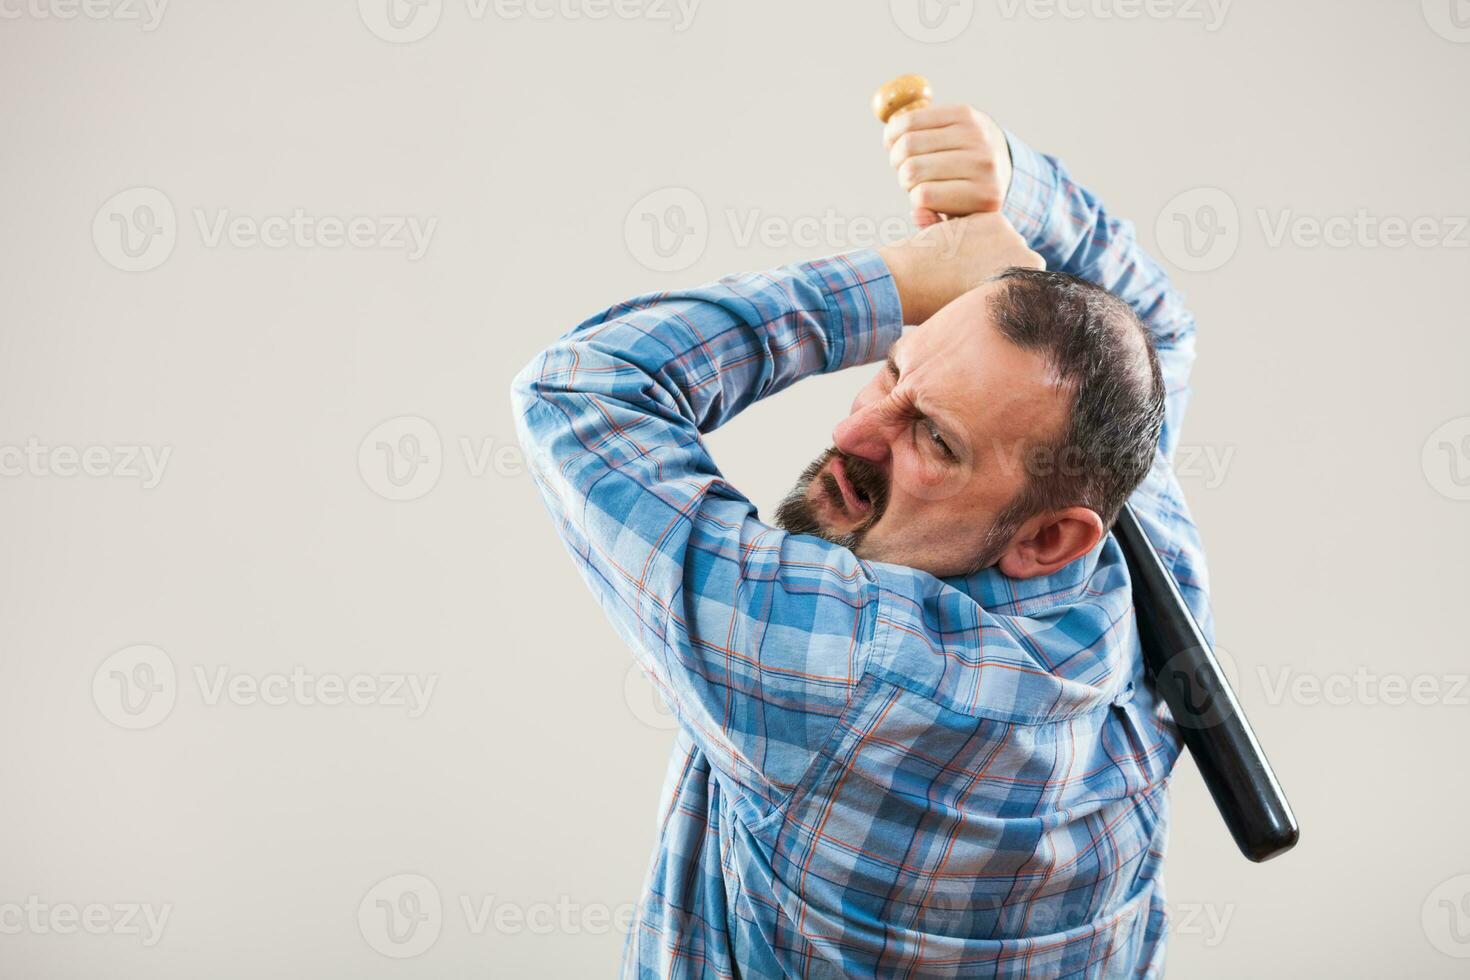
(944, 165)
(921, 141)
(928, 118)
(946, 197)
(923, 217)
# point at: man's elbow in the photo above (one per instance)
(527, 401)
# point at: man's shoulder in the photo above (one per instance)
(1035, 650)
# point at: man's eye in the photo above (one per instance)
(937, 439)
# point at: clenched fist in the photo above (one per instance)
(943, 262)
(951, 159)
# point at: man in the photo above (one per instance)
(915, 738)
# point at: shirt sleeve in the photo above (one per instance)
(753, 637)
(1068, 226)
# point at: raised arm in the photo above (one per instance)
(704, 593)
(754, 637)
(955, 160)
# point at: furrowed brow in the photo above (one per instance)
(947, 429)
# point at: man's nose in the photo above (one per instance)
(867, 433)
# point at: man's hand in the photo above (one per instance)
(942, 262)
(952, 159)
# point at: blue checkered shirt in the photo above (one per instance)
(878, 773)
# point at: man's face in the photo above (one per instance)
(934, 447)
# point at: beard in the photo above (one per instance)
(797, 513)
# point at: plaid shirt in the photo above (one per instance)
(879, 773)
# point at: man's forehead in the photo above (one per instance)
(963, 368)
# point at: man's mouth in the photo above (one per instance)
(854, 501)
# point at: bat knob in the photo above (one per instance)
(900, 95)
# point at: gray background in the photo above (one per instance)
(1326, 455)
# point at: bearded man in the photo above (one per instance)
(915, 735)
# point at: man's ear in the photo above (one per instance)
(1051, 541)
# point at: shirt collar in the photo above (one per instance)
(998, 593)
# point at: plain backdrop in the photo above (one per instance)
(205, 260)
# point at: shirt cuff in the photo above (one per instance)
(1032, 193)
(865, 315)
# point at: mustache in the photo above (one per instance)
(869, 482)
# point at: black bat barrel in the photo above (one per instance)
(1211, 722)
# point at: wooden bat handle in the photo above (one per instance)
(900, 95)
